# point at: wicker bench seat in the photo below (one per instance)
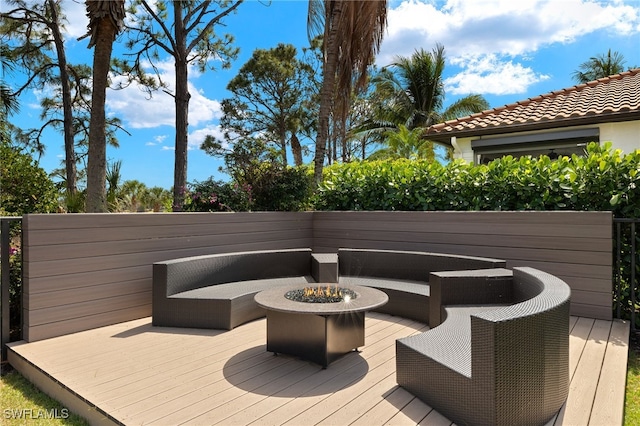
(403, 275)
(217, 291)
(500, 364)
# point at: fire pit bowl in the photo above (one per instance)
(321, 294)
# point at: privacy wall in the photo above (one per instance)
(574, 246)
(90, 270)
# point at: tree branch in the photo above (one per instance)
(210, 24)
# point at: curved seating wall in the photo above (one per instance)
(499, 365)
(403, 275)
(216, 291)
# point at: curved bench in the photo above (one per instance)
(403, 275)
(504, 364)
(217, 291)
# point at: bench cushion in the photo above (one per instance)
(216, 291)
(240, 288)
(415, 287)
(449, 344)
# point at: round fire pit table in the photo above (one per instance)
(315, 331)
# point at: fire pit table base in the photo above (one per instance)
(320, 332)
(317, 338)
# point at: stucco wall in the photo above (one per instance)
(624, 135)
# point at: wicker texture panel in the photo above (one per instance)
(518, 357)
(403, 275)
(217, 291)
(406, 265)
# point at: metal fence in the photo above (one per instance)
(5, 267)
(625, 274)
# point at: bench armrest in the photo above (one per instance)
(473, 287)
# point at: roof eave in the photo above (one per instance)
(445, 136)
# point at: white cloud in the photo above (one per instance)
(491, 75)
(157, 140)
(197, 137)
(77, 21)
(502, 33)
(137, 110)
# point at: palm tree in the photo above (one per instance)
(600, 66)
(352, 33)
(106, 18)
(405, 143)
(413, 96)
(415, 93)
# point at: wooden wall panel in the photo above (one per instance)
(575, 246)
(90, 270)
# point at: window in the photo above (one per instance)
(553, 144)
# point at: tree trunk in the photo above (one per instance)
(67, 111)
(296, 148)
(283, 145)
(327, 93)
(97, 154)
(182, 110)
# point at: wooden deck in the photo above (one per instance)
(133, 373)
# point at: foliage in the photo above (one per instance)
(600, 66)
(352, 33)
(632, 395)
(24, 186)
(405, 143)
(17, 393)
(190, 38)
(15, 288)
(411, 93)
(602, 180)
(255, 166)
(34, 34)
(273, 187)
(268, 100)
(217, 196)
(281, 188)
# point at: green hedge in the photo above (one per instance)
(605, 179)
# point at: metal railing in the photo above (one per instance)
(626, 261)
(5, 281)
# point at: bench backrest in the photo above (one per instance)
(200, 271)
(406, 265)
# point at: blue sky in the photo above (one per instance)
(505, 50)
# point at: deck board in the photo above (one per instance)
(135, 373)
(608, 407)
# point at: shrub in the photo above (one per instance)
(280, 188)
(603, 180)
(24, 186)
(272, 187)
(217, 196)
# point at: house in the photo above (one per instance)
(557, 123)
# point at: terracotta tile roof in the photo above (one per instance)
(614, 98)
